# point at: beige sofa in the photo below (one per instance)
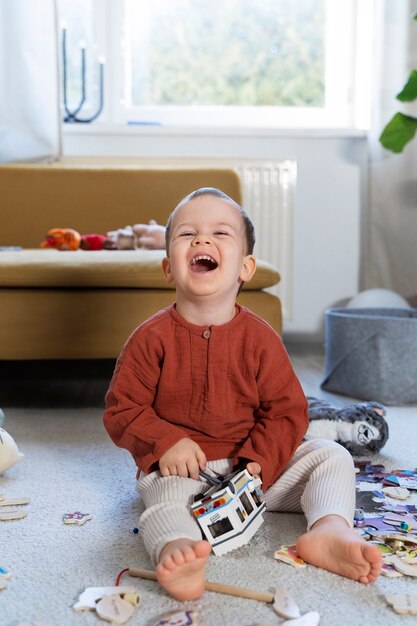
(84, 304)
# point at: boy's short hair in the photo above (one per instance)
(212, 191)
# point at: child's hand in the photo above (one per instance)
(185, 458)
(254, 469)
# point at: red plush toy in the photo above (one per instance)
(92, 242)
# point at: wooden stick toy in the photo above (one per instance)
(281, 601)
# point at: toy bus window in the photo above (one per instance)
(245, 501)
(240, 514)
(221, 527)
(257, 500)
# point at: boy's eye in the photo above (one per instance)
(221, 232)
(187, 234)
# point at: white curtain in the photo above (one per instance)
(29, 90)
(390, 244)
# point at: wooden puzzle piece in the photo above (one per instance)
(114, 609)
(403, 602)
(9, 515)
(178, 618)
(288, 554)
(389, 571)
(398, 493)
(4, 573)
(91, 595)
(400, 566)
(308, 619)
(382, 547)
(401, 521)
(76, 518)
(285, 605)
(408, 556)
(14, 501)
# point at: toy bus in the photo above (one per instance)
(231, 511)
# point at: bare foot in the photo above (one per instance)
(181, 568)
(333, 545)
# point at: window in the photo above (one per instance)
(220, 528)
(217, 62)
(246, 503)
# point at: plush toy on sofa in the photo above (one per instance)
(9, 453)
(70, 239)
(361, 428)
(62, 239)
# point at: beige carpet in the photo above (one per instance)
(71, 465)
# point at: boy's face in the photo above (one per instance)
(207, 248)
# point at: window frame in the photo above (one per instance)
(347, 102)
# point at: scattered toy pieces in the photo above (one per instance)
(9, 452)
(10, 515)
(382, 547)
(284, 604)
(400, 565)
(14, 501)
(114, 609)
(359, 518)
(404, 522)
(398, 493)
(14, 513)
(403, 602)
(389, 571)
(91, 595)
(77, 518)
(288, 554)
(4, 573)
(308, 619)
(178, 618)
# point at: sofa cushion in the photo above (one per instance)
(100, 269)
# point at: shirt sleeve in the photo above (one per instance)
(282, 417)
(129, 417)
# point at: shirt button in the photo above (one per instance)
(206, 334)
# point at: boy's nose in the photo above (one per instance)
(201, 239)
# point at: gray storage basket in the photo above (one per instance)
(371, 353)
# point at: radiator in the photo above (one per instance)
(268, 189)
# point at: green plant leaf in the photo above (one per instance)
(409, 91)
(398, 132)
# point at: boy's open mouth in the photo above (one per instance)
(203, 263)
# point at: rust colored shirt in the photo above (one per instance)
(230, 388)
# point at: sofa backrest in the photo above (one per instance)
(34, 199)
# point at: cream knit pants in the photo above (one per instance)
(319, 480)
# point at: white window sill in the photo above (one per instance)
(107, 130)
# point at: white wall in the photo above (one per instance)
(329, 205)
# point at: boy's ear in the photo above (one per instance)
(166, 268)
(248, 268)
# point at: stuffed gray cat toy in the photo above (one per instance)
(361, 428)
